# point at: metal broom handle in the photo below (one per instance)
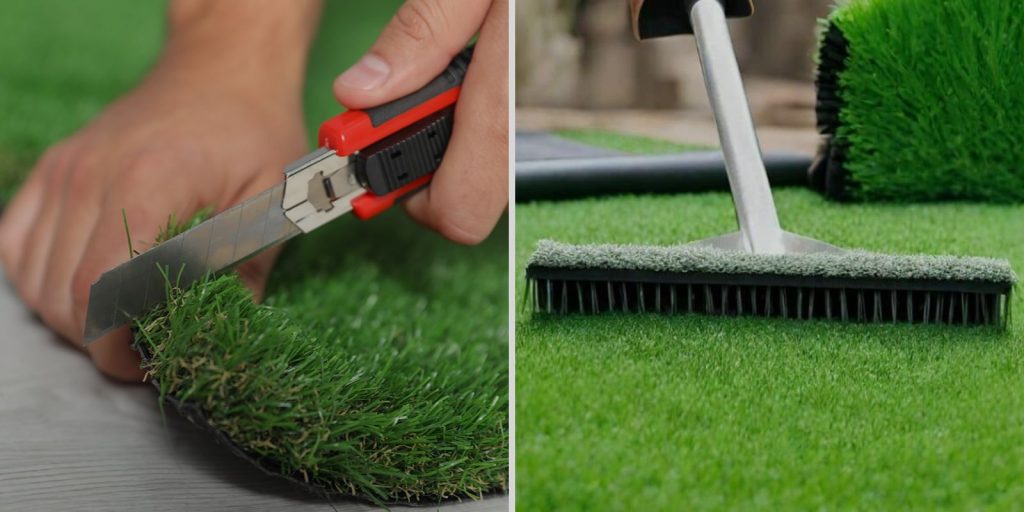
(751, 192)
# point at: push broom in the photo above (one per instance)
(760, 270)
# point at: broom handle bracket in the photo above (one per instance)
(748, 180)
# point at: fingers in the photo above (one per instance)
(469, 192)
(30, 221)
(18, 217)
(75, 222)
(146, 203)
(42, 236)
(107, 247)
(414, 48)
(113, 356)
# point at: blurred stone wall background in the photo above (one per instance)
(581, 54)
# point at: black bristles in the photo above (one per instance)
(935, 303)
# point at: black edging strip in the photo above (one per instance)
(699, 171)
(195, 415)
(828, 175)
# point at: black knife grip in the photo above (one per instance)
(411, 153)
(450, 78)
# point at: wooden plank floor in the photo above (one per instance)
(73, 440)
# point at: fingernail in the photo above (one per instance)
(371, 71)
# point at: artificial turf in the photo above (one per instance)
(650, 412)
(378, 365)
(932, 99)
(626, 143)
(58, 70)
(380, 370)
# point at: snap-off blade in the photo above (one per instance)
(219, 244)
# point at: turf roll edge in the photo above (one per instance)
(386, 402)
(921, 101)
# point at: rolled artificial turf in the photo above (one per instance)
(923, 100)
(378, 364)
(657, 412)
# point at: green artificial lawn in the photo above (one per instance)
(626, 143)
(933, 98)
(379, 370)
(379, 364)
(648, 412)
(61, 62)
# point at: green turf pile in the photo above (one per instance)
(655, 412)
(380, 376)
(56, 70)
(378, 364)
(626, 143)
(930, 99)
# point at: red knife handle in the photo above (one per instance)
(400, 143)
(370, 205)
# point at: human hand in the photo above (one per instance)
(197, 132)
(469, 192)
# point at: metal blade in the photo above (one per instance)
(218, 244)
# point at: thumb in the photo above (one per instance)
(416, 46)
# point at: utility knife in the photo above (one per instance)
(367, 161)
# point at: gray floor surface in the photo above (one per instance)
(72, 440)
(547, 146)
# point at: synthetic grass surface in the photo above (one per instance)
(626, 143)
(379, 366)
(57, 70)
(933, 99)
(379, 370)
(646, 412)
(62, 61)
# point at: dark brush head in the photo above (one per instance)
(661, 18)
(849, 286)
